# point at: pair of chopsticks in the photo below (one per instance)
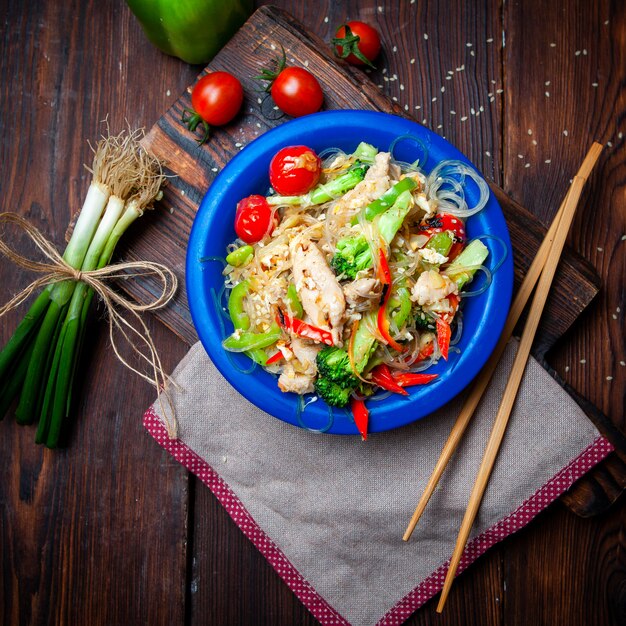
(542, 271)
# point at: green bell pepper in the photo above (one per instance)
(192, 30)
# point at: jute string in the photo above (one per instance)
(137, 336)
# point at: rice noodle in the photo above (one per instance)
(445, 185)
(301, 406)
(458, 318)
(482, 288)
(420, 161)
(503, 246)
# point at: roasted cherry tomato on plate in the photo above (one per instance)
(445, 222)
(294, 170)
(216, 99)
(357, 42)
(253, 219)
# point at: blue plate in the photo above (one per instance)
(246, 174)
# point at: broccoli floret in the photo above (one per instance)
(334, 364)
(340, 185)
(332, 393)
(352, 255)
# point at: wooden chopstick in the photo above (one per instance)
(483, 379)
(515, 377)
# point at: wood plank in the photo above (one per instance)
(94, 534)
(571, 47)
(586, 52)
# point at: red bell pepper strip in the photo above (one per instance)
(361, 416)
(443, 337)
(274, 358)
(302, 329)
(383, 321)
(382, 376)
(425, 352)
(454, 301)
(383, 328)
(443, 326)
(408, 379)
(384, 273)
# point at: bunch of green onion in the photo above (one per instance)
(39, 362)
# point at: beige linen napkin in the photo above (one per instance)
(329, 511)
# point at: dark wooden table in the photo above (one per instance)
(112, 530)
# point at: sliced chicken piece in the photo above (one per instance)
(374, 185)
(317, 287)
(361, 289)
(298, 375)
(432, 256)
(431, 286)
(306, 353)
(296, 382)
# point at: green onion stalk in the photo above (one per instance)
(38, 362)
(41, 323)
(145, 178)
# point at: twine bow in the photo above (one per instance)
(58, 270)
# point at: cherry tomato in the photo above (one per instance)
(362, 43)
(295, 170)
(216, 99)
(442, 222)
(253, 219)
(297, 92)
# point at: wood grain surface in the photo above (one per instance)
(112, 530)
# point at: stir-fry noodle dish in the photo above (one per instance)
(347, 279)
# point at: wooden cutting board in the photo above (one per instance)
(164, 237)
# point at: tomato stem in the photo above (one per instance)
(192, 120)
(268, 75)
(349, 44)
